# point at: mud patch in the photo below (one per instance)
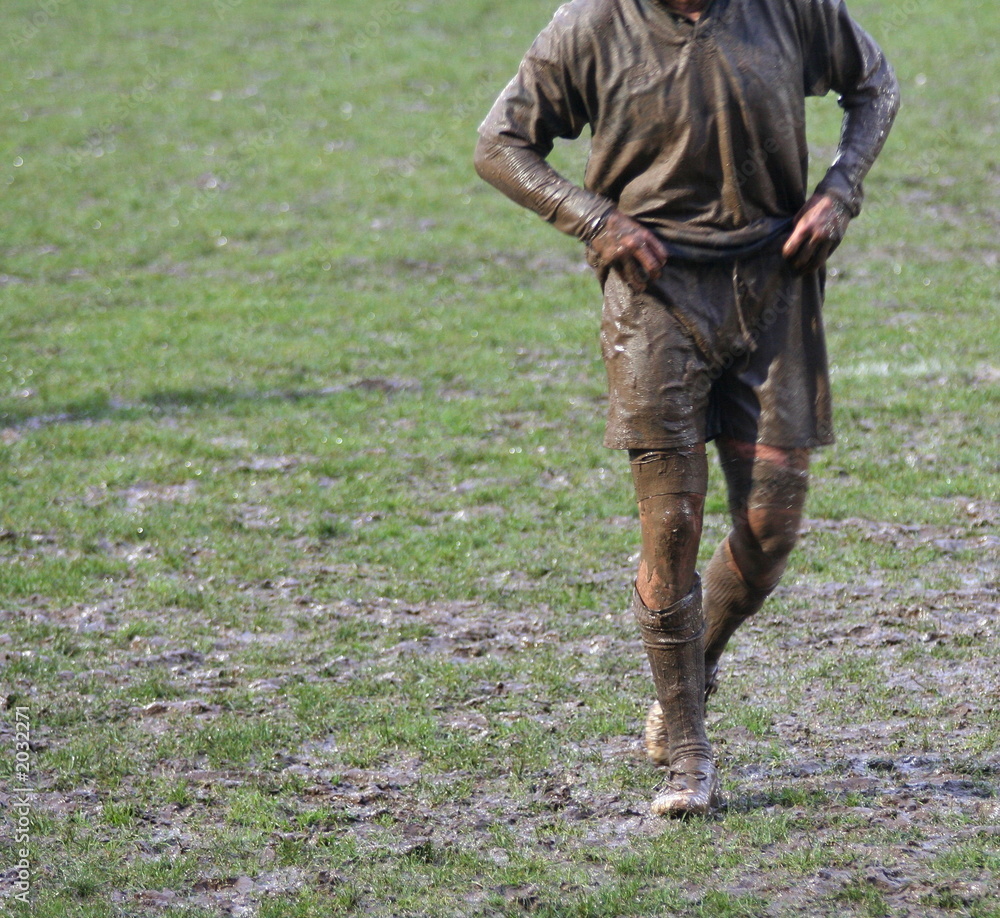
(886, 796)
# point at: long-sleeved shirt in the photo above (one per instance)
(698, 128)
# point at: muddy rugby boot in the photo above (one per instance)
(692, 789)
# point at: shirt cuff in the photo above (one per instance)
(837, 186)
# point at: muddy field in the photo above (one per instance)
(313, 571)
(856, 728)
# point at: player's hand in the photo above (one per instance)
(819, 227)
(629, 246)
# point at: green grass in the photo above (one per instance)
(312, 567)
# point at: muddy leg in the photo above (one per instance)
(670, 490)
(767, 491)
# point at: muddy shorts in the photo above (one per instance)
(730, 348)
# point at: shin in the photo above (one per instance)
(670, 490)
(767, 491)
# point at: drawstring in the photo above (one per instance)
(739, 295)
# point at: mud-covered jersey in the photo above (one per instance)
(698, 128)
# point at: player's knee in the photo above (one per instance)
(671, 531)
(774, 510)
(778, 485)
(761, 543)
(774, 533)
(673, 515)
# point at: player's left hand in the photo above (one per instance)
(635, 250)
(819, 227)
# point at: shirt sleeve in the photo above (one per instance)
(841, 56)
(543, 101)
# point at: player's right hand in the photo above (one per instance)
(627, 245)
(819, 227)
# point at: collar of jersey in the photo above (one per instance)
(661, 17)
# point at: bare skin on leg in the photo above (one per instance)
(670, 491)
(671, 531)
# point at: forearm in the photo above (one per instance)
(524, 176)
(869, 111)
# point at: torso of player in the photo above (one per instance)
(697, 126)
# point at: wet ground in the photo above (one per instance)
(862, 717)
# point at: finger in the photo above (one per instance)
(809, 258)
(635, 275)
(658, 249)
(649, 262)
(818, 260)
(794, 242)
(806, 252)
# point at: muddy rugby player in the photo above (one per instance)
(695, 214)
